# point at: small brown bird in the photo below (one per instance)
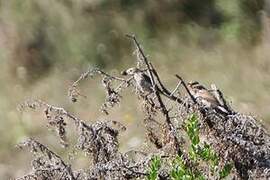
(143, 81)
(205, 96)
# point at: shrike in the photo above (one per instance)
(205, 96)
(143, 81)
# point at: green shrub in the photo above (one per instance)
(154, 167)
(197, 153)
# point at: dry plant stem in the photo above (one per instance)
(185, 86)
(157, 94)
(74, 93)
(61, 111)
(144, 59)
(36, 146)
(176, 88)
(164, 91)
(129, 168)
(123, 83)
(92, 72)
(202, 110)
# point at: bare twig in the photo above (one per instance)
(145, 60)
(74, 93)
(185, 86)
(53, 161)
(164, 90)
(176, 88)
(156, 92)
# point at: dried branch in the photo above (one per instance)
(186, 88)
(46, 162)
(233, 135)
(73, 92)
(38, 104)
(164, 90)
(176, 88)
(164, 110)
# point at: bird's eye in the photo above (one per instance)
(200, 87)
(124, 73)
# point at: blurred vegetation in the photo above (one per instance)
(87, 31)
(44, 44)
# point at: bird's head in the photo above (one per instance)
(130, 71)
(195, 85)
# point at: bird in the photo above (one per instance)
(143, 81)
(218, 94)
(205, 96)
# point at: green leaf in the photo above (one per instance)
(195, 140)
(225, 171)
(154, 167)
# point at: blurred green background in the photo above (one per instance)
(46, 44)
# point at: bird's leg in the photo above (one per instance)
(148, 94)
(219, 96)
(136, 89)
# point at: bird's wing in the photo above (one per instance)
(143, 81)
(205, 95)
(146, 78)
(200, 87)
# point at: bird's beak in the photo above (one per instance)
(124, 73)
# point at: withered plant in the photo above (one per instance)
(191, 140)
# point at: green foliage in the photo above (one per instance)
(192, 130)
(196, 150)
(208, 154)
(225, 171)
(181, 172)
(154, 167)
(197, 153)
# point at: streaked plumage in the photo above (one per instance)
(205, 96)
(143, 81)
